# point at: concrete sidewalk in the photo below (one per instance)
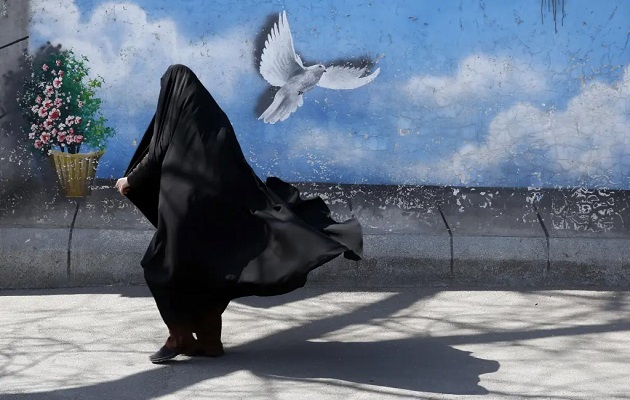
(317, 344)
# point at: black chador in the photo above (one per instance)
(221, 233)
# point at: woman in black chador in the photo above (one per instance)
(221, 233)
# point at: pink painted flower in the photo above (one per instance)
(35, 110)
(77, 120)
(54, 132)
(61, 137)
(54, 114)
(58, 102)
(80, 104)
(58, 63)
(70, 139)
(57, 83)
(38, 100)
(78, 139)
(71, 131)
(38, 144)
(47, 104)
(48, 124)
(42, 112)
(45, 67)
(53, 72)
(49, 90)
(45, 137)
(69, 120)
(60, 73)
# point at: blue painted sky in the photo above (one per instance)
(455, 77)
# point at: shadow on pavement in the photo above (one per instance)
(420, 364)
(417, 364)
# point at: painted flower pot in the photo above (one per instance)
(75, 172)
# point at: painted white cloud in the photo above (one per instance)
(335, 145)
(589, 141)
(328, 150)
(479, 77)
(131, 51)
(455, 109)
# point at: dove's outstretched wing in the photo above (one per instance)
(279, 62)
(346, 77)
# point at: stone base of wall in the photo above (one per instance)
(414, 236)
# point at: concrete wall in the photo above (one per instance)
(14, 17)
(414, 236)
(489, 149)
(469, 93)
(14, 157)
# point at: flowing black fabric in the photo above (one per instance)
(221, 233)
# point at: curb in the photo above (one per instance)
(413, 236)
(46, 258)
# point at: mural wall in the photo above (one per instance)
(471, 93)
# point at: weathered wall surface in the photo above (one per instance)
(479, 146)
(13, 33)
(473, 93)
(14, 160)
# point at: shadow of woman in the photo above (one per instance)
(415, 364)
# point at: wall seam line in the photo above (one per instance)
(13, 42)
(450, 234)
(544, 228)
(69, 264)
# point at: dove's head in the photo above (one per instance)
(318, 69)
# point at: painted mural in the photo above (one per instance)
(472, 93)
(282, 67)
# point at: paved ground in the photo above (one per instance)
(317, 344)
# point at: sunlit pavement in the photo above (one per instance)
(94, 343)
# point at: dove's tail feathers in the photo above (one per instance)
(269, 114)
(281, 108)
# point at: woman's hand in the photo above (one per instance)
(123, 186)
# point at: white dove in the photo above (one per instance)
(282, 67)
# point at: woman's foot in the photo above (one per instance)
(163, 355)
(208, 331)
(211, 350)
(180, 341)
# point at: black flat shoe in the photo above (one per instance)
(162, 355)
